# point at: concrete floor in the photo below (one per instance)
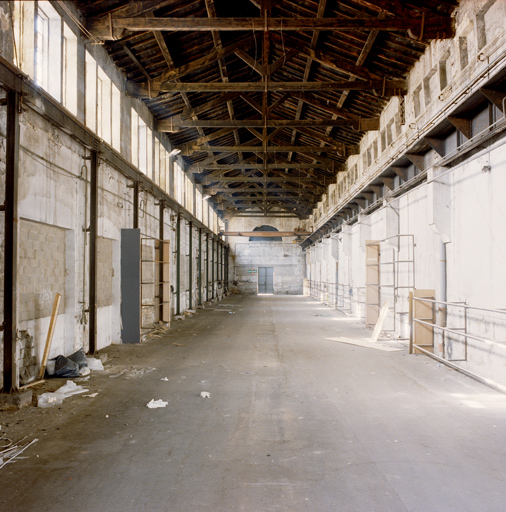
(294, 423)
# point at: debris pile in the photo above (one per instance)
(10, 452)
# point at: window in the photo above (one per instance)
(91, 92)
(463, 51)
(135, 138)
(198, 204)
(142, 145)
(104, 106)
(48, 49)
(444, 71)
(156, 170)
(383, 141)
(69, 78)
(417, 100)
(390, 135)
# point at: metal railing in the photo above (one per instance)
(466, 322)
(342, 297)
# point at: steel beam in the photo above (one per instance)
(161, 251)
(178, 265)
(199, 263)
(92, 299)
(190, 265)
(10, 372)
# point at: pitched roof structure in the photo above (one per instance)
(266, 99)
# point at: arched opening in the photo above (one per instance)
(265, 238)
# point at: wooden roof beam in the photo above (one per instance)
(175, 123)
(336, 147)
(113, 28)
(389, 87)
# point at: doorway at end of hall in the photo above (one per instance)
(265, 280)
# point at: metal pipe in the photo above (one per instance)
(199, 267)
(483, 380)
(92, 292)
(226, 270)
(207, 267)
(442, 292)
(10, 374)
(161, 235)
(212, 269)
(136, 205)
(190, 265)
(178, 265)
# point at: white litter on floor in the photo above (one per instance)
(365, 343)
(205, 394)
(155, 404)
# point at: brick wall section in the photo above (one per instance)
(41, 269)
(105, 272)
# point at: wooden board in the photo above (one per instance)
(49, 339)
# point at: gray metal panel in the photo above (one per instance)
(262, 278)
(269, 285)
(130, 285)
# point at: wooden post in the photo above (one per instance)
(50, 332)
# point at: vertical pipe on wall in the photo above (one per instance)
(226, 270)
(207, 267)
(199, 268)
(212, 268)
(10, 373)
(92, 333)
(190, 265)
(136, 205)
(178, 265)
(161, 236)
(442, 294)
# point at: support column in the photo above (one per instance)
(226, 270)
(136, 205)
(10, 370)
(161, 236)
(207, 267)
(212, 269)
(92, 332)
(199, 268)
(178, 265)
(190, 265)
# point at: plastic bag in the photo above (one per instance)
(95, 364)
(51, 399)
(64, 367)
(50, 367)
(79, 357)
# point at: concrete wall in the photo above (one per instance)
(285, 257)
(460, 206)
(471, 223)
(54, 212)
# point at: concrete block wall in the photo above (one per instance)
(475, 244)
(105, 271)
(41, 269)
(459, 206)
(54, 208)
(285, 257)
